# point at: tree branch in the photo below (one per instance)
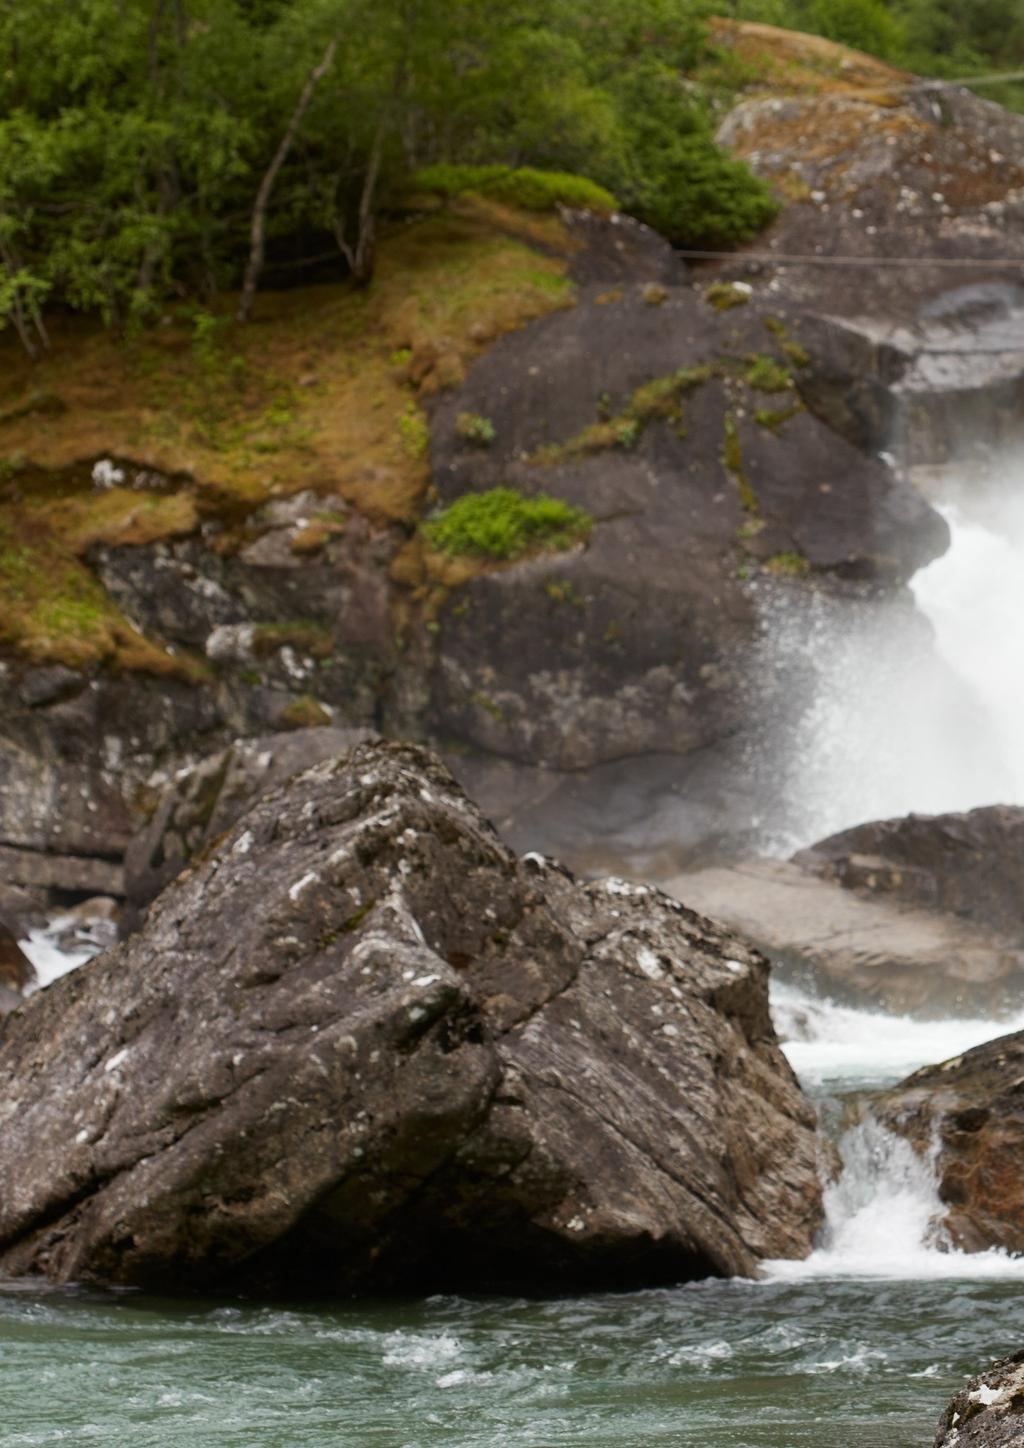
(257, 252)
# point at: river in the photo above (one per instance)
(860, 1345)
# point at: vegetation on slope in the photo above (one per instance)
(325, 392)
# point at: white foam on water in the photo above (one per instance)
(824, 1041)
(883, 1213)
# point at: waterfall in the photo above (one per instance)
(875, 709)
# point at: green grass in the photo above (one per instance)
(503, 524)
(524, 187)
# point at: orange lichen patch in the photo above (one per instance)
(975, 179)
(767, 58)
(829, 128)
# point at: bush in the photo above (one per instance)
(524, 187)
(502, 523)
(701, 198)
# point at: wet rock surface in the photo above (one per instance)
(362, 1044)
(989, 1411)
(971, 1111)
(969, 864)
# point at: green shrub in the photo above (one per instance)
(502, 523)
(524, 187)
(698, 197)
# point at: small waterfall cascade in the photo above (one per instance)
(883, 1213)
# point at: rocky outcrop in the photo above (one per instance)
(970, 1110)
(362, 1045)
(205, 801)
(876, 164)
(917, 915)
(680, 428)
(988, 1412)
(919, 189)
(970, 865)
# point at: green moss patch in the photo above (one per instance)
(732, 458)
(502, 523)
(523, 187)
(723, 296)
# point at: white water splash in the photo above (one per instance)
(826, 1042)
(883, 1214)
(879, 709)
(883, 1219)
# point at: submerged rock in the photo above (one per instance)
(989, 1411)
(361, 1044)
(970, 1112)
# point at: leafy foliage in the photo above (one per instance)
(502, 523)
(138, 148)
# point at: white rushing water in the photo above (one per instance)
(883, 709)
(59, 947)
(883, 1213)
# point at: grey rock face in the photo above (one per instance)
(207, 799)
(969, 864)
(363, 1045)
(923, 913)
(922, 175)
(636, 643)
(989, 1411)
(875, 950)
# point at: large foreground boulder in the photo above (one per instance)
(970, 1111)
(988, 1412)
(363, 1045)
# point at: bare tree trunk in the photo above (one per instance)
(259, 211)
(16, 312)
(363, 255)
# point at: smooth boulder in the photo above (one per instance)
(362, 1045)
